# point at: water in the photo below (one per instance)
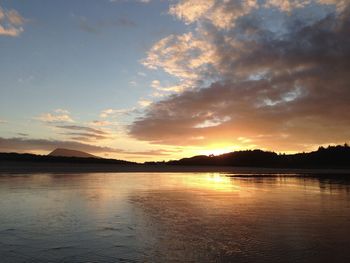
(159, 217)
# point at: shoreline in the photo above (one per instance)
(15, 167)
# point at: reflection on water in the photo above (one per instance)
(160, 217)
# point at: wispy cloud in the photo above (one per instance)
(84, 136)
(58, 116)
(82, 128)
(62, 111)
(11, 22)
(98, 26)
(144, 102)
(133, 83)
(99, 123)
(156, 152)
(142, 74)
(161, 90)
(116, 112)
(31, 145)
(26, 144)
(137, 1)
(83, 133)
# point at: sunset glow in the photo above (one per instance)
(195, 77)
(217, 151)
(175, 131)
(211, 182)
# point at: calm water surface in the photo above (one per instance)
(158, 217)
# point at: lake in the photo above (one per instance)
(173, 217)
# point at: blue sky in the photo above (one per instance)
(80, 56)
(57, 63)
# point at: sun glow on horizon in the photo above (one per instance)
(218, 150)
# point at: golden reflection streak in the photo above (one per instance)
(211, 181)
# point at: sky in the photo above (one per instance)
(148, 80)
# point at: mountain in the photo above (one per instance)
(70, 153)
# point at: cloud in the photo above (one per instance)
(116, 112)
(15, 18)
(142, 74)
(11, 31)
(282, 83)
(190, 11)
(133, 83)
(32, 145)
(84, 136)
(289, 5)
(98, 123)
(61, 119)
(2, 121)
(48, 117)
(183, 56)
(83, 133)
(138, 1)
(222, 14)
(157, 152)
(62, 111)
(161, 91)
(125, 22)
(82, 128)
(25, 145)
(58, 116)
(11, 23)
(144, 102)
(98, 26)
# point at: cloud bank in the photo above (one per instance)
(270, 74)
(32, 145)
(20, 144)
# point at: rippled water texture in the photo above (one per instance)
(158, 217)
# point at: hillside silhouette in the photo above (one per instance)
(27, 157)
(71, 153)
(330, 157)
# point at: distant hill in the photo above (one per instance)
(323, 158)
(28, 157)
(70, 153)
(330, 157)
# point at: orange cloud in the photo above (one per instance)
(283, 88)
(11, 23)
(58, 116)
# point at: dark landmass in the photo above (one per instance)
(34, 158)
(71, 153)
(9, 167)
(331, 160)
(330, 157)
